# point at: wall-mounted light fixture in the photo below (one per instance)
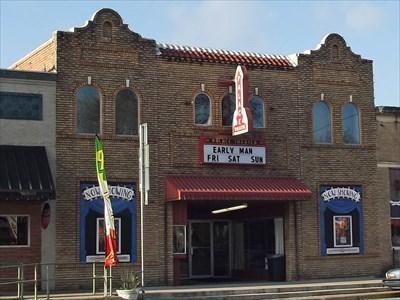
(256, 91)
(222, 210)
(322, 96)
(230, 89)
(127, 82)
(89, 80)
(351, 98)
(203, 87)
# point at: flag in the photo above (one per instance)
(110, 237)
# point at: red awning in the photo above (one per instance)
(235, 188)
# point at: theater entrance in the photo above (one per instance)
(236, 249)
(230, 227)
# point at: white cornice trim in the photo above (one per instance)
(388, 165)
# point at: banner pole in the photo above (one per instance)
(110, 281)
(142, 139)
(105, 281)
(141, 236)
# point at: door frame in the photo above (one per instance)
(190, 248)
(190, 252)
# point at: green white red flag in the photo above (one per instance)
(110, 236)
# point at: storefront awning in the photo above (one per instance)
(25, 173)
(235, 188)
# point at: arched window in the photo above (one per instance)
(350, 124)
(202, 110)
(88, 110)
(322, 123)
(127, 113)
(228, 108)
(335, 52)
(257, 110)
(107, 29)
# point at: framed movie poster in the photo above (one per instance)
(179, 239)
(343, 233)
(341, 220)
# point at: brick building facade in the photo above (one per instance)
(300, 192)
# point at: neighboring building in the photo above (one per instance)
(388, 154)
(27, 167)
(303, 181)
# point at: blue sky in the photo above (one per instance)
(370, 28)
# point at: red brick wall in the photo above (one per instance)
(29, 254)
(25, 255)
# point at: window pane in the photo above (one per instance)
(101, 230)
(22, 229)
(88, 110)
(228, 108)
(14, 230)
(20, 106)
(350, 123)
(257, 109)
(127, 113)
(395, 232)
(321, 123)
(202, 110)
(394, 184)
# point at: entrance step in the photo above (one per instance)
(355, 289)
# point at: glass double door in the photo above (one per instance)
(210, 249)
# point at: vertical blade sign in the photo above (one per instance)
(242, 118)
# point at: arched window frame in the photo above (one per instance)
(315, 141)
(335, 52)
(358, 124)
(209, 123)
(261, 99)
(107, 30)
(135, 94)
(233, 103)
(99, 130)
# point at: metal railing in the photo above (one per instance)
(29, 273)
